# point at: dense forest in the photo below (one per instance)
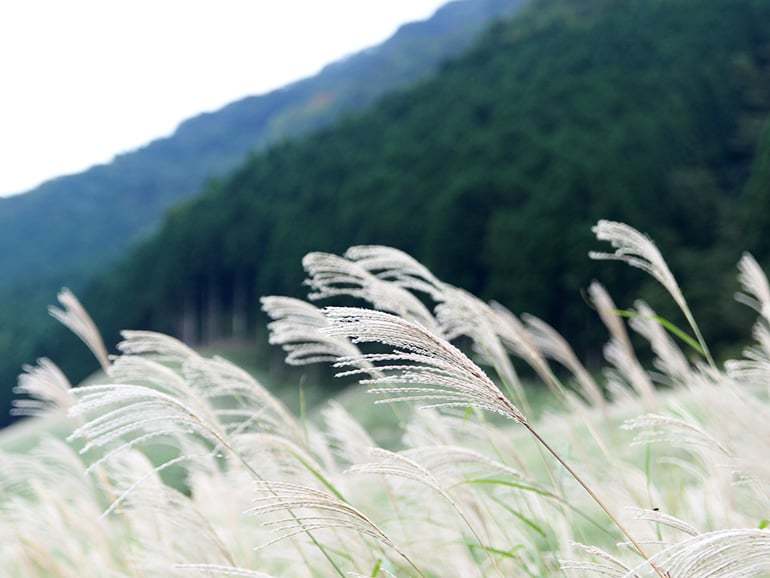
(66, 230)
(653, 112)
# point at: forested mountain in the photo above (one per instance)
(78, 222)
(66, 229)
(649, 111)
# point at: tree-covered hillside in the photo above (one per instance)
(646, 111)
(78, 222)
(65, 230)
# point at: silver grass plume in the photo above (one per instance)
(425, 367)
(731, 553)
(619, 351)
(393, 265)
(384, 462)
(404, 466)
(74, 316)
(46, 387)
(331, 276)
(255, 407)
(175, 515)
(755, 367)
(157, 346)
(463, 314)
(519, 341)
(279, 457)
(296, 326)
(459, 313)
(554, 346)
(607, 564)
(120, 416)
(311, 510)
(662, 519)
(451, 463)
(438, 467)
(669, 358)
(655, 428)
(608, 313)
(421, 366)
(348, 439)
(638, 250)
(756, 291)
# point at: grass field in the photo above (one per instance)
(195, 468)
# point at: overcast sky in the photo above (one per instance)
(81, 80)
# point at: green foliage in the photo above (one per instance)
(67, 229)
(493, 171)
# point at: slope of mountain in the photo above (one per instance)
(494, 171)
(66, 229)
(648, 111)
(79, 222)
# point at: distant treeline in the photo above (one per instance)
(653, 112)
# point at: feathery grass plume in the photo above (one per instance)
(426, 367)
(655, 428)
(638, 250)
(455, 464)
(75, 318)
(232, 396)
(241, 402)
(729, 553)
(164, 521)
(347, 438)
(177, 410)
(453, 427)
(156, 346)
(46, 387)
(312, 510)
(627, 370)
(756, 290)
(608, 313)
(755, 367)
(553, 345)
(59, 534)
(282, 459)
(331, 276)
(669, 359)
(120, 416)
(438, 467)
(662, 519)
(519, 341)
(393, 265)
(297, 326)
(52, 463)
(421, 366)
(607, 565)
(384, 462)
(403, 465)
(462, 314)
(619, 351)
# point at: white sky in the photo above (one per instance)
(81, 80)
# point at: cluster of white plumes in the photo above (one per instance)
(178, 464)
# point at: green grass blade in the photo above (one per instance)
(670, 327)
